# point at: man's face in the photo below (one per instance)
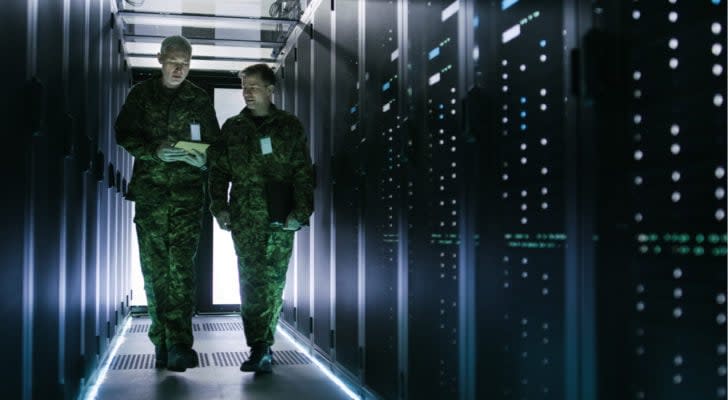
(175, 67)
(256, 93)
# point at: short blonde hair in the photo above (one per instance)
(175, 43)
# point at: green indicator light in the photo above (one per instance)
(713, 238)
(720, 251)
(654, 237)
(700, 238)
(643, 249)
(658, 249)
(683, 250)
(699, 250)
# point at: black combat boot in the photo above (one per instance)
(181, 357)
(160, 354)
(260, 359)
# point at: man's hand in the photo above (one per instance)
(292, 224)
(167, 153)
(195, 159)
(223, 219)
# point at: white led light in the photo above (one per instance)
(523, 146)
(673, 43)
(640, 306)
(672, 16)
(524, 160)
(719, 172)
(544, 171)
(544, 191)
(638, 155)
(716, 49)
(674, 129)
(717, 69)
(505, 88)
(321, 367)
(543, 107)
(675, 149)
(716, 28)
(505, 76)
(678, 360)
(720, 214)
(719, 193)
(637, 75)
(676, 197)
(677, 293)
(720, 298)
(522, 67)
(675, 176)
(637, 94)
(636, 14)
(718, 100)
(638, 217)
(524, 193)
(543, 92)
(542, 58)
(504, 62)
(677, 312)
(637, 118)
(673, 63)
(638, 180)
(544, 142)
(677, 273)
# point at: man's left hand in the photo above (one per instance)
(196, 159)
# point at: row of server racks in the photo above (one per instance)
(515, 199)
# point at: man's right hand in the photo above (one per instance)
(167, 153)
(223, 219)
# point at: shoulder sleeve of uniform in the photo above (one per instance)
(130, 134)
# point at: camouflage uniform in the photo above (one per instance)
(263, 252)
(169, 199)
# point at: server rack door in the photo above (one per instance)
(303, 237)
(321, 149)
(433, 199)
(288, 102)
(666, 221)
(381, 211)
(522, 215)
(13, 23)
(346, 186)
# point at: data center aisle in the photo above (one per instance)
(219, 341)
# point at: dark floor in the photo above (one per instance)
(219, 340)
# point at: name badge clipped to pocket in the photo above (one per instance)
(195, 132)
(266, 147)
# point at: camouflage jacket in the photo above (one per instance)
(238, 158)
(151, 115)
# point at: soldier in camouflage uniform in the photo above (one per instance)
(167, 187)
(261, 143)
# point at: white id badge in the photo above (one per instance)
(266, 147)
(195, 132)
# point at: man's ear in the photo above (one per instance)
(159, 58)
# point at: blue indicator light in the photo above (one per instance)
(542, 43)
(505, 4)
(523, 100)
(385, 87)
(442, 106)
(353, 110)
(442, 116)
(523, 114)
(476, 21)
(523, 127)
(716, 2)
(434, 53)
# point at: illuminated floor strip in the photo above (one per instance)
(100, 375)
(320, 366)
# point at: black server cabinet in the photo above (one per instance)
(522, 212)
(347, 187)
(662, 248)
(288, 103)
(382, 152)
(434, 152)
(303, 237)
(321, 133)
(17, 112)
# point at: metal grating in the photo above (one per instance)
(235, 358)
(144, 328)
(217, 359)
(132, 361)
(222, 326)
(139, 328)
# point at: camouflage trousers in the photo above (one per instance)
(168, 236)
(263, 257)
